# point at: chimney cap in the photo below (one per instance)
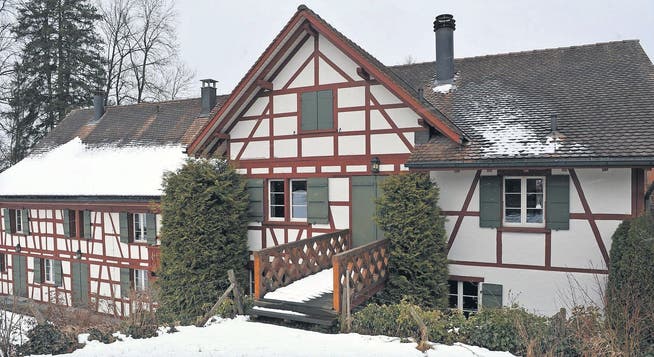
(209, 82)
(444, 21)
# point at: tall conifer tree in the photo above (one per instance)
(60, 58)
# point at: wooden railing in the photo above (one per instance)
(285, 263)
(367, 267)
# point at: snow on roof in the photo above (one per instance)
(305, 289)
(75, 169)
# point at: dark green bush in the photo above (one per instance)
(409, 215)
(99, 335)
(204, 234)
(48, 339)
(508, 329)
(630, 288)
(396, 320)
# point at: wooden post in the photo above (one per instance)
(208, 315)
(337, 285)
(348, 299)
(257, 275)
(423, 344)
(237, 292)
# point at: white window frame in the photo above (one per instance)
(299, 219)
(523, 202)
(270, 205)
(140, 283)
(48, 271)
(140, 226)
(460, 295)
(18, 221)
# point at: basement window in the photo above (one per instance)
(464, 296)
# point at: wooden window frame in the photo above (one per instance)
(291, 203)
(48, 274)
(460, 295)
(139, 219)
(269, 205)
(140, 284)
(523, 201)
(72, 222)
(18, 221)
(288, 201)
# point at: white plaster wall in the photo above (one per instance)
(352, 121)
(242, 129)
(305, 78)
(285, 125)
(328, 74)
(352, 145)
(321, 146)
(341, 216)
(387, 144)
(256, 150)
(257, 107)
(523, 248)
(383, 95)
(606, 191)
(285, 148)
(263, 129)
(472, 243)
(293, 65)
(543, 292)
(377, 121)
(234, 149)
(285, 103)
(454, 188)
(339, 58)
(351, 97)
(339, 189)
(404, 117)
(576, 247)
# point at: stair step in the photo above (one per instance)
(290, 316)
(296, 307)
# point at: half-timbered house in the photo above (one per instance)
(80, 219)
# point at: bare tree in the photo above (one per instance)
(154, 44)
(174, 81)
(117, 20)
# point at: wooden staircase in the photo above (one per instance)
(317, 311)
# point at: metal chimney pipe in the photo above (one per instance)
(444, 29)
(98, 105)
(208, 95)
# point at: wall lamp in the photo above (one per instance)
(374, 165)
(18, 248)
(78, 254)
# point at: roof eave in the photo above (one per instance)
(533, 163)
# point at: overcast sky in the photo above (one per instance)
(222, 39)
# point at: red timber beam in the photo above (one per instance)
(464, 209)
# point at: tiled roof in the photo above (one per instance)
(154, 124)
(602, 94)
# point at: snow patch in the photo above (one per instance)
(444, 88)
(74, 169)
(305, 289)
(279, 311)
(507, 138)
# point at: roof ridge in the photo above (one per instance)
(517, 53)
(159, 102)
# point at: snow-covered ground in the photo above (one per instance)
(240, 337)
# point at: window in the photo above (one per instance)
(48, 271)
(72, 223)
(463, 295)
(140, 227)
(298, 199)
(3, 263)
(140, 280)
(317, 110)
(278, 200)
(524, 201)
(18, 221)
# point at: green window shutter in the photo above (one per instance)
(25, 219)
(318, 200)
(125, 282)
(255, 207)
(124, 227)
(489, 201)
(309, 111)
(66, 214)
(491, 295)
(325, 109)
(37, 270)
(87, 224)
(151, 228)
(7, 220)
(58, 273)
(557, 202)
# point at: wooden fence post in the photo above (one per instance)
(237, 292)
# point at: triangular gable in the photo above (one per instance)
(306, 23)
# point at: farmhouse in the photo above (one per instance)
(539, 156)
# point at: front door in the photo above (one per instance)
(19, 268)
(365, 190)
(80, 277)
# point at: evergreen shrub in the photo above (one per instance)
(48, 339)
(630, 288)
(409, 215)
(204, 234)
